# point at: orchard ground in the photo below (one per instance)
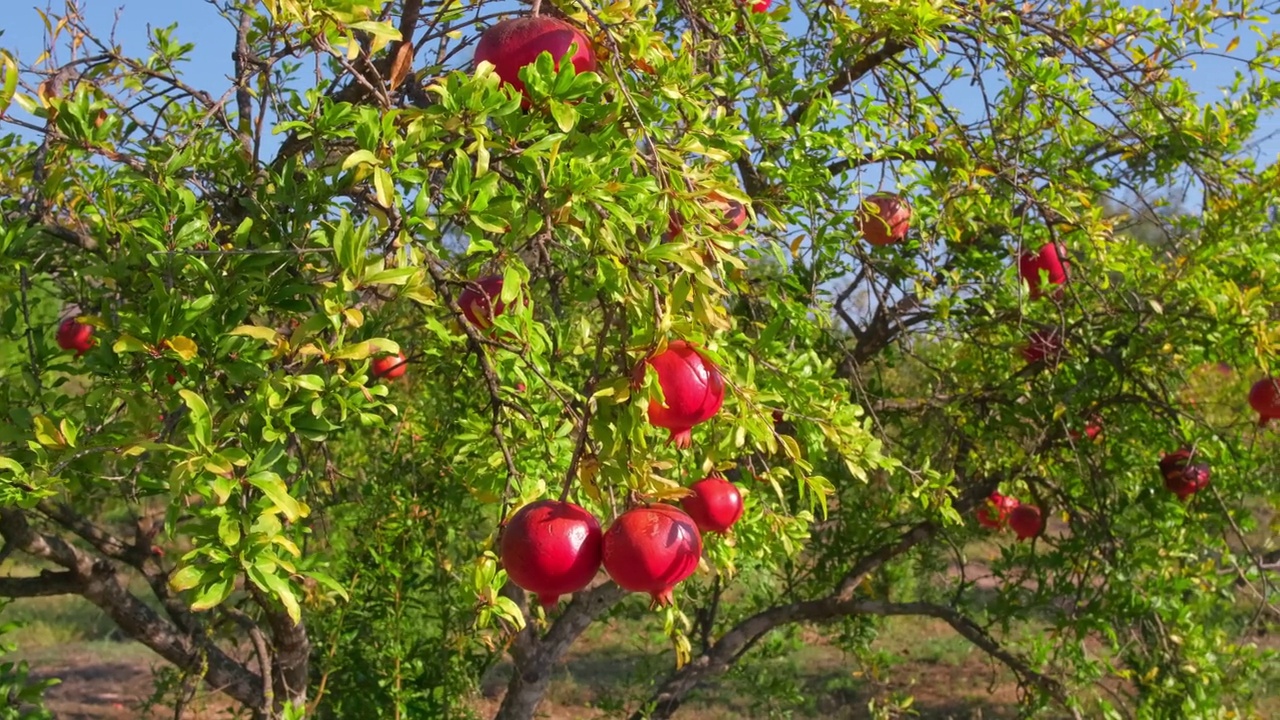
(918, 665)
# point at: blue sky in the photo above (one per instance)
(213, 36)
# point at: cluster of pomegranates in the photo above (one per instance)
(553, 548)
(1003, 511)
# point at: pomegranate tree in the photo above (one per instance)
(994, 513)
(884, 218)
(551, 548)
(1049, 259)
(75, 335)
(1264, 397)
(692, 390)
(389, 366)
(1026, 521)
(512, 44)
(715, 505)
(482, 305)
(1182, 477)
(651, 549)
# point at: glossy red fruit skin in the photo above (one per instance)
(715, 505)
(994, 513)
(389, 367)
(515, 43)
(1182, 477)
(1026, 522)
(761, 6)
(481, 307)
(884, 218)
(651, 549)
(1264, 398)
(1043, 346)
(76, 336)
(692, 387)
(552, 548)
(1049, 259)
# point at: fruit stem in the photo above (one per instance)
(537, 7)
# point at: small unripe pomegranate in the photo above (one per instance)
(552, 548)
(1264, 397)
(692, 387)
(389, 367)
(884, 218)
(1049, 259)
(512, 44)
(1181, 476)
(651, 549)
(1026, 522)
(715, 505)
(994, 513)
(481, 306)
(73, 335)
(1045, 346)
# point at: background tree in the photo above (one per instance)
(314, 537)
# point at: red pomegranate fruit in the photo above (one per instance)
(515, 43)
(1264, 397)
(651, 549)
(552, 548)
(692, 387)
(884, 218)
(483, 305)
(734, 218)
(1044, 345)
(1026, 522)
(1049, 259)
(1092, 429)
(389, 367)
(73, 335)
(761, 6)
(715, 504)
(1181, 476)
(994, 513)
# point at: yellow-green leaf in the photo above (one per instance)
(256, 331)
(48, 434)
(184, 346)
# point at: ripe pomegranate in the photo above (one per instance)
(481, 306)
(389, 366)
(1182, 477)
(1044, 345)
(1026, 522)
(1049, 259)
(73, 335)
(551, 548)
(715, 504)
(761, 6)
(692, 388)
(1092, 429)
(515, 43)
(651, 549)
(994, 513)
(1264, 397)
(884, 218)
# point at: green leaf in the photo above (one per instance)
(212, 595)
(186, 578)
(378, 29)
(564, 114)
(10, 84)
(201, 419)
(48, 434)
(128, 344)
(394, 276)
(274, 488)
(256, 331)
(360, 157)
